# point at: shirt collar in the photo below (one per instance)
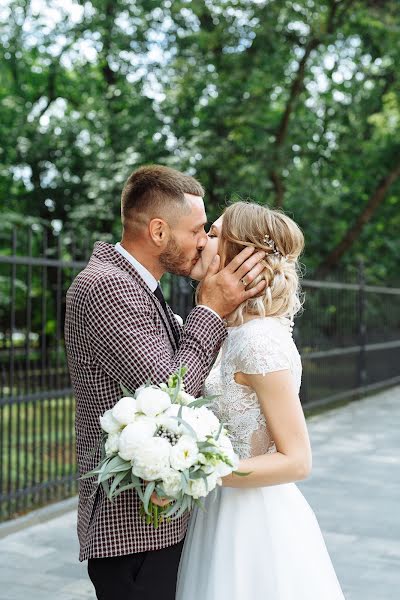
(148, 278)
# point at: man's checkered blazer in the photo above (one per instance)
(116, 332)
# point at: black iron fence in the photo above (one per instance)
(349, 337)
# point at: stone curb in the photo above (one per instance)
(38, 516)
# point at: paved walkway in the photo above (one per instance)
(354, 491)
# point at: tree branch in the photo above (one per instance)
(294, 93)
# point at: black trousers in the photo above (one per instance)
(144, 576)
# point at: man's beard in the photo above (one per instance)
(173, 259)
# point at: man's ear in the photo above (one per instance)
(158, 231)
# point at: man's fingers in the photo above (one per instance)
(251, 267)
(214, 266)
(239, 259)
(257, 290)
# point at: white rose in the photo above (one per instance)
(198, 487)
(112, 444)
(134, 435)
(172, 483)
(151, 401)
(223, 469)
(184, 454)
(225, 445)
(108, 423)
(152, 459)
(179, 319)
(125, 410)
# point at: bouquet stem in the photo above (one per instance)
(155, 516)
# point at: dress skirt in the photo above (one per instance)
(258, 543)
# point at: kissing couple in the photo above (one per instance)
(257, 538)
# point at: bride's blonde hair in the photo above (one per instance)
(250, 224)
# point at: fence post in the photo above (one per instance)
(362, 327)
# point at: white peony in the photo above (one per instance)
(186, 414)
(207, 423)
(112, 444)
(152, 459)
(184, 454)
(168, 423)
(151, 401)
(108, 423)
(134, 435)
(172, 483)
(125, 410)
(140, 389)
(198, 487)
(185, 398)
(169, 420)
(201, 420)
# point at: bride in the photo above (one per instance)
(258, 538)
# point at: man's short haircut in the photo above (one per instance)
(156, 191)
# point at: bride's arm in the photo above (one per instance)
(282, 409)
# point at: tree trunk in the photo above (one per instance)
(375, 200)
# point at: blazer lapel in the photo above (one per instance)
(107, 253)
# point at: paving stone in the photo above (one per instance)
(354, 491)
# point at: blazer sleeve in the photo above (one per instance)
(125, 337)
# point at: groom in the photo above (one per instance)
(119, 329)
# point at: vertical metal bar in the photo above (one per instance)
(63, 400)
(362, 329)
(12, 370)
(70, 405)
(43, 361)
(50, 401)
(2, 424)
(28, 387)
(35, 408)
(58, 361)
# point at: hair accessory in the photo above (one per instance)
(269, 242)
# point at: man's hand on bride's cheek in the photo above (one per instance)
(224, 290)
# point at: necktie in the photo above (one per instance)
(159, 295)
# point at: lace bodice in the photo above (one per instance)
(259, 346)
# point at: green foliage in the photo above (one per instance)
(292, 104)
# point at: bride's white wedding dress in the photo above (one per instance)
(256, 543)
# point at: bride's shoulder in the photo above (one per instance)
(260, 345)
(260, 327)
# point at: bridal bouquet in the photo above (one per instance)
(161, 439)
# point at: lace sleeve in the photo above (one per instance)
(261, 353)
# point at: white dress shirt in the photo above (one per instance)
(147, 277)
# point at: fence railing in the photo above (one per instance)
(348, 335)
(349, 339)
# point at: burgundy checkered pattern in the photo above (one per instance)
(116, 331)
